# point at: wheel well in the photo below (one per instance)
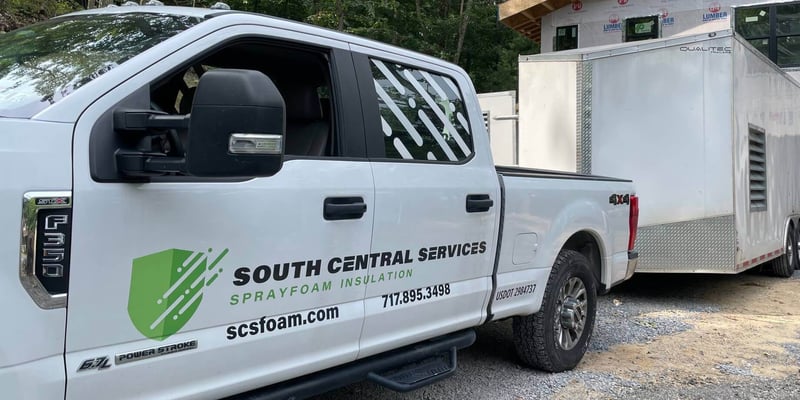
(586, 244)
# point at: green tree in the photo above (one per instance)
(465, 32)
(18, 13)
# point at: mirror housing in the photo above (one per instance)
(237, 125)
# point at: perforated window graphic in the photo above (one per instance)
(422, 114)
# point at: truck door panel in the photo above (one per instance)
(184, 287)
(436, 205)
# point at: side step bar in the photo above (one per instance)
(404, 369)
(416, 375)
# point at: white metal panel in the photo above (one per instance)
(767, 98)
(419, 206)
(501, 108)
(794, 73)
(610, 50)
(547, 115)
(34, 156)
(39, 379)
(718, 133)
(652, 122)
(508, 301)
(661, 115)
(555, 209)
(263, 221)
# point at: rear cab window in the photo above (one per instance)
(422, 114)
(45, 62)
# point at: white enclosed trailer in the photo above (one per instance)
(706, 125)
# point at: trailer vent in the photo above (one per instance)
(486, 121)
(758, 169)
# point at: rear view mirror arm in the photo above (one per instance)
(143, 120)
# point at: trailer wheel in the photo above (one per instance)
(796, 249)
(556, 338)
(785, 265)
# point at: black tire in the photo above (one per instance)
(796, 249)
(785, 265)
(543, 340)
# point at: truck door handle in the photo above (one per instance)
(479, 203)
(339, 208)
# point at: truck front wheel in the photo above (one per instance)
(556, 338)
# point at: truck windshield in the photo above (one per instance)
(45, 62)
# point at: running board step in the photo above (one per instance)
(416, 375)
(403, 369)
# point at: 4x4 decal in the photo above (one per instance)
(167, 288)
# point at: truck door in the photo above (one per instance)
(436, 204)
(183, 287)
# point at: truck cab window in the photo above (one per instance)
(422, 114)
(301, 75)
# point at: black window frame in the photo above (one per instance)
(773, 36)
(557, 44)
(632, 21)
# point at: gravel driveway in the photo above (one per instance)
(657, 337)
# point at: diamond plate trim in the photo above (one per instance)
(583, 141)
(701, 245)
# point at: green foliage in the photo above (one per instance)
(37, 8)
(488, 50)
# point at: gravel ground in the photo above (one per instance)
(656, 337)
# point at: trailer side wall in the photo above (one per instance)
(659, 113)
(765, 98)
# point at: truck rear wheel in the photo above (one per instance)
(556, 338)
(784, 265)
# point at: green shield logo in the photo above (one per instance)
(167, 288)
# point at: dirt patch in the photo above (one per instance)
(658, 337)
(754, 335)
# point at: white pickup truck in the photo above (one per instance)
(201, 203)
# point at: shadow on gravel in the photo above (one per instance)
(697, 292)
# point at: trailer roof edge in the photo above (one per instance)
(591, 53)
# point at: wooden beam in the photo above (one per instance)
(525, 16)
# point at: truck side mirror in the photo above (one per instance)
(237, 125)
